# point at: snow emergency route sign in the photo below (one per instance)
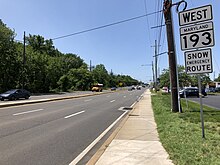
(198, 61)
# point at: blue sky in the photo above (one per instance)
(122, 48)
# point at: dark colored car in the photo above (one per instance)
(191, 91)
(217, 89)
(131, 88)
(113, 88)
(15, 94)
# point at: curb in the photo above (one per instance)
(51, 99)
(105, 145)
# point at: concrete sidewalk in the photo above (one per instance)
(137, 142)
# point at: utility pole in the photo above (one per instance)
(171, 55)
(156, 65)
(156, 59)
(90, 65)
(153, 73)
(24, 61)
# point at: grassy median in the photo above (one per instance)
(181, 133)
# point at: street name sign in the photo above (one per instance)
(197, 36)
(198, 61)
(195, 15)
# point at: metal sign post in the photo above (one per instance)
(201, 106)
(193, 37)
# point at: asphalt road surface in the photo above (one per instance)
(56, 133)
(210, 100)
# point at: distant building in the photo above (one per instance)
(213, 85)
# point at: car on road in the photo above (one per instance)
(113, 88)
(131, 88)
(165, 90)
(138, 87)
(97, 87)
(191, 91)
(217, 89)
(15, 94)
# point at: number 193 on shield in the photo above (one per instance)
(197, 40)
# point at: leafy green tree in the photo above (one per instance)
(71, 61)
(46, 69)
(9, 65)
(165, 78)
(41, 45)
(218, 78)
(101, 75)
(76, 79)
(36, 72)
(184, 79)
(64, 83)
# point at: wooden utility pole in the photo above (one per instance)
(156, 65)
(153, 73)
(24, 61)
(155, 69)
(171, 55)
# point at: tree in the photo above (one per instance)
(9, 64)
(47, 69)
(39, 44)
(184, 79)
(100, 75)
(76, 79)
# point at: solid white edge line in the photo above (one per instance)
(80, 156)
(21, 113)
(133, 104)
(121, 108)
(66, 117)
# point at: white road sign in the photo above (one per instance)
(197, 36)
(195, 15)
(198, 61)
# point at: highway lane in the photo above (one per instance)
(57, 132)
(210, 100)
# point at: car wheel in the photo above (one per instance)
(12, 98)
(27, 97)
(2, 99)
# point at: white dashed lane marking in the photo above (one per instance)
(22, 113)
(74, 114)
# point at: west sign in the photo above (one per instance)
(198, 61)
(195, 15)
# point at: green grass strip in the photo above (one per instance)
(181, 133)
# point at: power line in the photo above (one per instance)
(107, 25)
(145, 5)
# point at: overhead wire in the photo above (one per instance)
(160, 30)
(104, 26)
(148, 25)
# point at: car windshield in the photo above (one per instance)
(10, 91)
